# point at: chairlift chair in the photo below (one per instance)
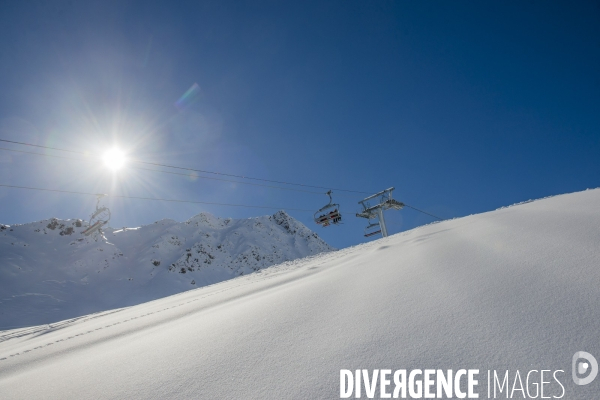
(99, 218)
(372, 229)
(329, 214)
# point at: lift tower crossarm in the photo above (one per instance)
(378, 194)
(386, 205)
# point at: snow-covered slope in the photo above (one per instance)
(49, 271)
(514, 289)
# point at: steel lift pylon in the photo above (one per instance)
(385, 202)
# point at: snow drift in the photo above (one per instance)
(514, 289)
(49, 271)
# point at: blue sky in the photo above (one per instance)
(464, 107)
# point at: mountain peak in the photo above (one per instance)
(125, 266)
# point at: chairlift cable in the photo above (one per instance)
(424, 212)
(201, 177)
(228, 180)
(156, 199)
(168, 172)
(190, 169)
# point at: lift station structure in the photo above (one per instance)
(375, 212)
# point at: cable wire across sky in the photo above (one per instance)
(154, 198)
(190, 169)
(167, 172)
(87, 154)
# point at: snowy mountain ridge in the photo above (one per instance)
(510, 291)
(50, 271)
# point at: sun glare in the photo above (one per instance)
(114, 159)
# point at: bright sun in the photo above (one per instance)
(114, 159)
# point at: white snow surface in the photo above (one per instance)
(513, 289)
(50, 272)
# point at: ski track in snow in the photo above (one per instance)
(36, 330)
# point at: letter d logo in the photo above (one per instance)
(581, 367)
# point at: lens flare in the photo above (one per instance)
(188, 97)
